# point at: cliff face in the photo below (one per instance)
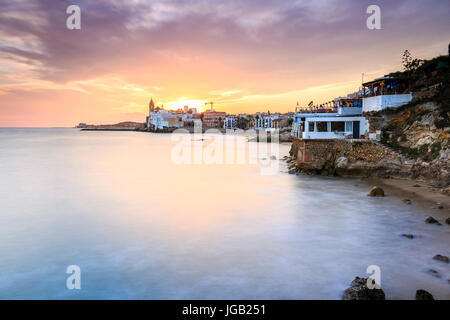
(420, 130)
(415, 132)
(414, 141)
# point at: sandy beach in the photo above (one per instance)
(419, 192)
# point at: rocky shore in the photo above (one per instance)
(390, 174)
(423, 193)
(368, 160)
(346, 158)
(359, 290)
(364, 288)
(415, 138)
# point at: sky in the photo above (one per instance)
(243, 55)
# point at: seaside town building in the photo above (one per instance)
(342, 120)
(230, 122)
(187, 114)
(213, 119)
(386, 92)
(161, 119)
(151, 109)
(266, 121)
(343, 117)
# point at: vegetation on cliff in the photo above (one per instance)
(420, 130)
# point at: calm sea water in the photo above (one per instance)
(141, 227)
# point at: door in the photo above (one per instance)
(356, 130)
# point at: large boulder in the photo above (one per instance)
(441, 258)
(358, 290)
(431, 220)
(376, 192)
(423, 295)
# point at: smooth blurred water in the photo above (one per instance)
(141, 227)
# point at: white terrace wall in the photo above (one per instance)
(378, 103)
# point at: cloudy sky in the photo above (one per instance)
(244, 55)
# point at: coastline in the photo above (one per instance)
(428, 202)
(418, 191)
(108, 129)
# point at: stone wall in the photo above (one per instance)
(346, 158)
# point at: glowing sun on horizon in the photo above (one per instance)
(180, 104)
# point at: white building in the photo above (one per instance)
(334, 127)
(161, 119)
(386, 92)
(156, 120)
(267, 122)
(230, 122)
(345, 122)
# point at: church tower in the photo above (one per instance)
(151, 107)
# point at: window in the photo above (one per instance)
(311, 126)
(322, 127)
(337, 126)
(348, 126)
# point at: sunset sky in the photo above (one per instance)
(244, 55)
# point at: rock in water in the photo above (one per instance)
(358, 290)
(407, 235)
(432, 220)
(376, 192)
(423, 295)
(441, 258)
(447, 221)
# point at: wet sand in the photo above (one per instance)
(419, 192)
